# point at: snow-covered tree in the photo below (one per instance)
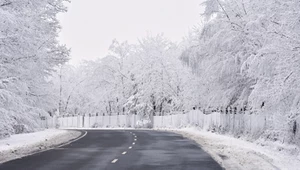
(143, 78)
(29, 51)
(248, 55)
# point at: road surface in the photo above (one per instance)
(120, 150)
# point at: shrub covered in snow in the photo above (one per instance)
(144, 123)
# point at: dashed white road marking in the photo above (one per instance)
(114, 161)
(135, 136)
(135, 139)
(133, 143)
(130, 132)
(130, 147)
(124, 153)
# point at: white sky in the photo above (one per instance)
(89, 26)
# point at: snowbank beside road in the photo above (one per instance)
(237, 154)
(21, 145)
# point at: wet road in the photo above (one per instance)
(120, 150)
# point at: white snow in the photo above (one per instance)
(20, 145)
(23, 140)
(29, 57)
(233, 153)
(79, 121)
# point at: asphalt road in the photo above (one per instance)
(120, 150)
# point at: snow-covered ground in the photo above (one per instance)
(238, 154)
(20, 145)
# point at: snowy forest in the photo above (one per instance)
(29, 55)
(244, 54)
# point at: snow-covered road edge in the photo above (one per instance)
(18, 146)
(237, 154)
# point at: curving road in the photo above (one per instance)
(120, 150)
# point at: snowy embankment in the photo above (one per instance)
(239, 154)
(17, 146)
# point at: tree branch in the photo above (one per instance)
(6, 4)
(243, 4)
(227, 16)
(288, 77)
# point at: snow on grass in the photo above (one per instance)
(21, 145)
(233, 153)
(23, 140)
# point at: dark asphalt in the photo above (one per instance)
(153, 150)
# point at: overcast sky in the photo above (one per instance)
(89, 26)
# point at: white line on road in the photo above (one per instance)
(133, 143)
(130, 147)
(114, 161)
(62, 145)
(59, 146)
(135, 139)
(124, 153)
